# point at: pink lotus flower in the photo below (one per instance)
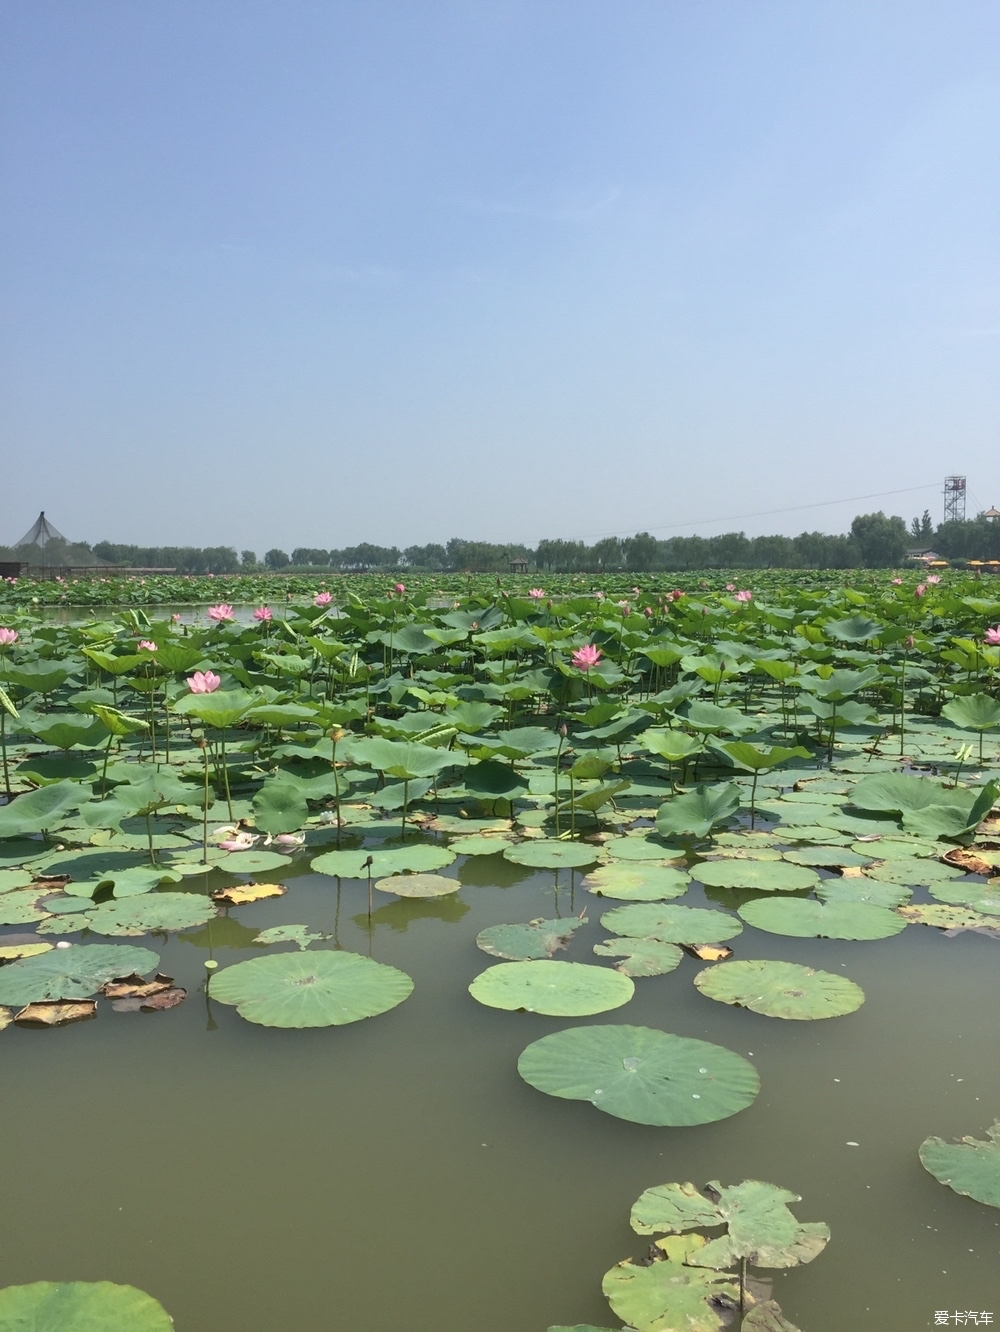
(648, 611)
(535, 593)
(933, 578)
(399, 588)
(221, 612)
(587, 657)
(8, 637)
(992, 636)
(676, 594)
(622, 604)
(730, 587)
(637, 591)
(322, 598)
(176, 617)
(744, 595)
(263, 614)
(147, 645)
(897, 582)
(204, 682)
(241, 842)
(920, 589)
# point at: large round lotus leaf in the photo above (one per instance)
(419, 858)
(556, 989)
(914, 873)
(829, 857)
(897, 848)
(151, 911)
(641, 848)
(637, 883)
(863, 890)
(640, 957)
(14, 878)
(805, 919)
(975, 896)
(547, 853)
(418, 885)
(81, 1306)
(814, 834)
(970, 1167)
(671, 1295)
(641, 1074)
(769, 853)
(91, 862)
(314, 989)
(746, 838)
(71, 924)
(944, 917)
(21, 850)
(536, 939)
(252, 862)
(791, 814)
(76, 972)
(858, 824)
(478, 846)
(781, 989)
(21, 907)
(671, 924)
(766, 875)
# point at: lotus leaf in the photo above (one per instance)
(828, 857)
(637, 883)
(418, 857)
(478, 846)
(766, 875)
(641, 957)
(944, 917)
(695, 813)
(669, 1294)
(804, 919)
(152, 911)
(863, 890)
(243, 894)
(641, 848)
(976, 896)
(973, 712)
(83, 1306)
(898, 848)
(314, 989)
(280, 806)
(14, 878)
(71, 973)
(970, 1167)
(297, 934)
(22, 907)
(641, 1074)
(494, 780)
(548, 853)
(781, 989)
(9, 952)
(671, 924)
(42, 809)
(913, 873)
(556, 989)
(537, 939)
(419, 885)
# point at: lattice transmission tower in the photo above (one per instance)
(954, 499)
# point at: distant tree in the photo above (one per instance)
(248, 559)
(432, 557)
(276, 559)
(881, 541)
(608, 553)
(306, 555)
(640, 552)
(922, 529)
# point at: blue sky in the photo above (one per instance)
(296, 273)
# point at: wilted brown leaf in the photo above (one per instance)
(58, 1013)
(967, 860)
(248, 892)
(134, 987)
(165, 999)
(708, 952)
(851, 872)
(6, 1017)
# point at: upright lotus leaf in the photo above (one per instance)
(67, 729)
(709, 717)
(419, 857)
(151, 911)
(405, 761)
(41, 810)
(311, 989)
(671, 923)
(674, 746)
(838, 687)
(974, 712)
(637, 882)
(898, 793)
(117, 722)
(39, 677)
(537, 939)
(641, 957)
(81, 1306)
(155, 792)
(556, 989)
(224, 708)
(549, 853)
(751, 759)
(857, 629)
(178, 657)
(781, 989)
(695, 813)
(801, 918)
(641, 1074)
(494, 780)
(76, 972)
(670, 1295)
(767, 875)
(279, 806)
(761, 1229)
(970, 1167)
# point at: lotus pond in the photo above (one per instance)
(453, 958)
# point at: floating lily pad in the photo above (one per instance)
(805, 919)
(70, 973)
(975, 896)
(765, 875)
(313, 989)
(297, 934)
(71, 924)
(10, 952)
(815, 835)
(152, 911)
(641, 957)
(419, 885)
(759, 853)
(548, 853)
(637, 883)
(671, 924)
(896, 848)
(21, 851)
(863, 890)
(944, 917)
(478, 846)
(970, 1167)
(556, 989)
(641, 1074)
(914, 873)
(14, 878)
(536, 939)
(828, 857)
(670, 1293)
(244, 893)
(419, 858)
(21, 907)
(641, 848)
(83, 1306)
(781, 989)
(252, 862)
(64, 905)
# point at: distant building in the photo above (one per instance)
(923, 555)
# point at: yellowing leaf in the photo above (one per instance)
(248, 892)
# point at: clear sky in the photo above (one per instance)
(284, 272)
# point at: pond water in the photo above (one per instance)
(398, 1172)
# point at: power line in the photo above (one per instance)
(765, 513)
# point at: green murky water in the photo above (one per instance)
(397, 1173)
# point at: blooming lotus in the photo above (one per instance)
(147, 645)
(8, 637)
(241, 842)
(221, 612)
(399, 588)
(920, 589)
(262, 614)
(993, 636)
(176, 617)
(204, 682)
(587, 657)
(535, 593)
(933, 578)
(896, 582)
(730, 587)
(744, 595)
(322, 598)
(676, 594)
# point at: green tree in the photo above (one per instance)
(276, 559)
(881, 541)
